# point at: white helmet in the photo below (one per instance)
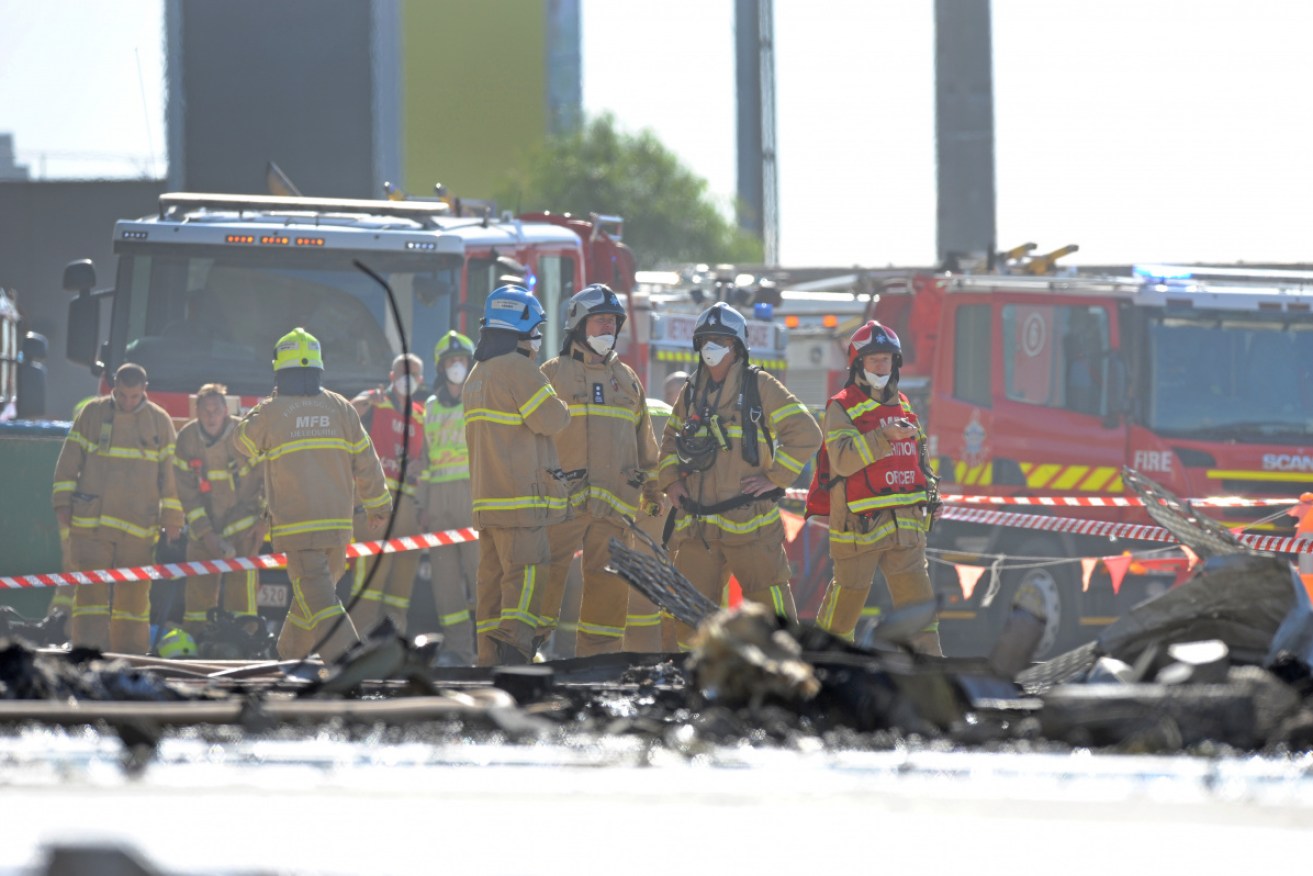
(721, 319)
(591, 300)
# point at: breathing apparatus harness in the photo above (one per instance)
(703, 435)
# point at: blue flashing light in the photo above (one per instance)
(763, 310)
(1162, 272)
(530, 281)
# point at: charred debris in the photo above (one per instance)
(1223, 662)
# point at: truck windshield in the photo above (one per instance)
(1241, 378)
(204, 314)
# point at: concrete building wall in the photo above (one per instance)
(312, 85)
(45, 225)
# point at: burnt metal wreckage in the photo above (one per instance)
(1222, 662)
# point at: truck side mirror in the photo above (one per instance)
(83, 329)
(80, 276)
(1116, 403)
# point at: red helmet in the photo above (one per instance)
(874, 337)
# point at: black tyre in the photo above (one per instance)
(1058, 589)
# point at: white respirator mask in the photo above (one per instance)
(536, 344)
(456, 372)
(602, 344)
(712, 354)
(406, 384)
(877, 380)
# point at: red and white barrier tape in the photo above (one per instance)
(1076, 526)
(169, 571)
(1087, 501)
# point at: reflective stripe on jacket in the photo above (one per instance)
(511, 414)
(115, 472)
(318, 460)
(610, 435)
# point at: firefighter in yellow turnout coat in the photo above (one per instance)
(223, 498)
(114, 489)
(317, 458)
(609, 455)
(736, 439)
(877, 489)
(511, 414)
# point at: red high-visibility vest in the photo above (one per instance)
(892, 481)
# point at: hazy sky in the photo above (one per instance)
(1150, 130)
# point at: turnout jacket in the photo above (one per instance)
(115, 471)
(796, 437)
(317, 458)
(220, 492)
(609, 446)
(872, 517)
(511, 414)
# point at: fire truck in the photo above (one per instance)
(205, 287)
(1200, 378)
(665, 307)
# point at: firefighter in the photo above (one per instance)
(395, 433)
(872, 475)
(223, 498)
(114, 489)
(446, 487)
(736, 439)
(517, 487)
(317, 458)
(609, 455)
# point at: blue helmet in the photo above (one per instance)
(512, 308)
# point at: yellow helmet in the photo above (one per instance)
(453, 343)
(297, 349)
(176, 643)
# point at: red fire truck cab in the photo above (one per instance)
(1046, 386)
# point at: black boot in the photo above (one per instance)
(509, 655)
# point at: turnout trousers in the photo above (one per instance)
(605, 596)
(453, 568)
(513, 563)
(388, 594)
(315, 609)
(237, 589)
(895, 545)
(758, 562)
(111, 617)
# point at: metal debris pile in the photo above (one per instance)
(1222, 662)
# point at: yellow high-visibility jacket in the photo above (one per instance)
(115, 471)
(610, 435)
(220, 492)
(448, 457)
(796, 437)
(511, 414)
(317, 457)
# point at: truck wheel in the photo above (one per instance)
(1058, 592)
